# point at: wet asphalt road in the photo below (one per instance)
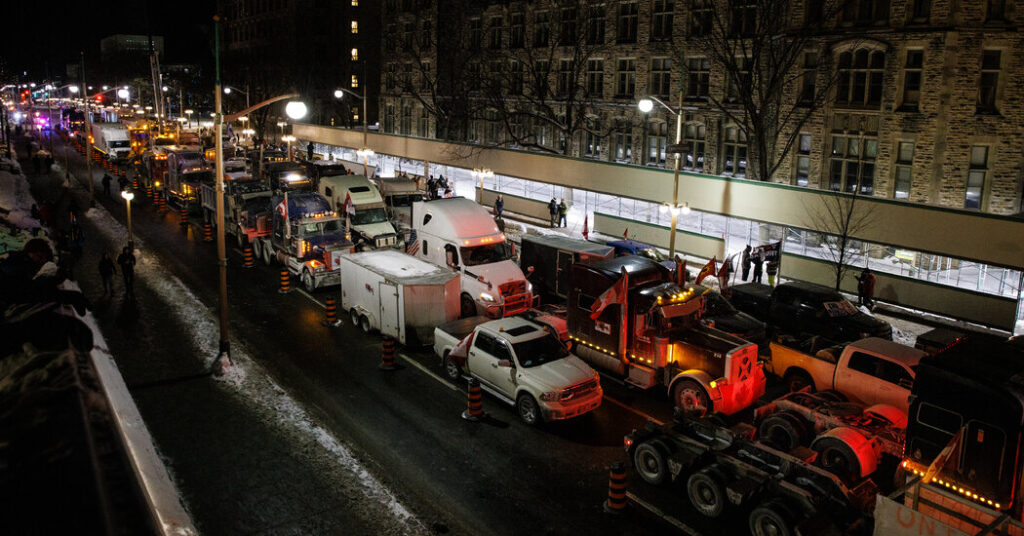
(497, 477)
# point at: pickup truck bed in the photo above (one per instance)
(458, 329)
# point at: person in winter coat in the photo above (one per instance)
(499, 206)
(772, 269)
(758, 262)
(866, 288)
(106, 183)
(107, 271)
(126, 260)
(553, 211)
(563, 210)
(745, 262)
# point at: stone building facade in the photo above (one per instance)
(930, 112)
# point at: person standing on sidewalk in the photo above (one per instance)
(107, 271)
(553, 211)
(745, 263)
(563, 211)
(106, 183)
(772, 269)
(866, 288)
(499, 206)
(126, 260)
(758, 266)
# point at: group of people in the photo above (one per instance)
(439, 187)
(122, 182)
(753, 262)
(126, 260)
(558, 212)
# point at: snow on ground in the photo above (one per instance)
(16, 197)
(246, 377)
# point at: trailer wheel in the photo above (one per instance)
(528, 410)
(690, 397)
(796, 379)
(354, 315)
(468, 306)
(650, 463)
(452, 371)
(364, 323)
(267, 257)
(771, 518)
(307, 281)
(707, 495)
(837, 458)
(784, 430)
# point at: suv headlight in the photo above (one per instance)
(551, 396)
(486, 297)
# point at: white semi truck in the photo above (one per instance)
(368, 219)
(111, 139)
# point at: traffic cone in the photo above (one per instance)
(616, 502)
(183, 217)
(331, 316)
(387, 354)
(248, 261)
(207, 232)
(286, 282)
(149, 193)
(475, 402)
(135, 183)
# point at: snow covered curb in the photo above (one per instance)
(247, 378)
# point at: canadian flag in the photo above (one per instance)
(586, 229)
(461, 350)
(723, 273)
(349, 207)
(625, 234)
(708, 269)
(615, 294)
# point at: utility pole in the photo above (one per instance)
(224, 355)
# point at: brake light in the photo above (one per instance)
(627, 441)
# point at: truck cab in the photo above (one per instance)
(399, 194)
(307, 237)
(186, 172)
(370, 221)
(460, 234)
(286, 177)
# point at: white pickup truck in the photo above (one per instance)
(870, 371)
(522, 363)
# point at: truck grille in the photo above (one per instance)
(512, 288)
(515, 297)
(579, 390)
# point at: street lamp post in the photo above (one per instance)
(128, 196)
(229, 89)
(645, 106)
(365, 151)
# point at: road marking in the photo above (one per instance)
(311, 298)
(664, 517)
(633, 410)
(430, 373)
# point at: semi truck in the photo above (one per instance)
(286, 177)
(401, 296)
(186, 172)
(111, 140)
(461, 235)
(629, 316)
(307, 238)
(399, 193)
(552, 257)
(247, 212)
(368, 219)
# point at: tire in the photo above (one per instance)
(307, 281)
(837, 458)
(364, 323)
(690, 397)
(771, 518)
(528, 410)
(467, 306)
(649, 461)
(783, 430)
(267, 258)
(796, 379)
(706, 492)
(353, 314)
(452, 370)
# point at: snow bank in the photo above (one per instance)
(16, 197)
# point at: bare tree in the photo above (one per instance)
(776, 70)
(840, 219)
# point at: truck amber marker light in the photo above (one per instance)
(952, 486)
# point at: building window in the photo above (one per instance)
(355, 80)
(701, 17)
(424, 123)
(922, 10)
(390, 77)
(808, 78)
(627, 22)
(595, 78)
(425, 35)
(517, 30)
(656, 142)
(567, 24)
(912, 79)
(476, 33)
(976, 177)
(390, 38)
(988, 83)
(734, 87)
(860, 78)
(904, 161)
(661, 70)
(595, 25)
(996, 10)
(698, 76)
(661, 20)
(591, 141)
(494, 33)
(355, 54)
(406, 127)
(853, 163)
(695, 145)
(541, 29)
(389, 118)
(864, 12)
(744, 17)
(406, 76)
(425, 79)
(734, 154)
(803, 161)
(565, 81)
(623, 147)
(626, 85)
(516, 75)
(355, 27)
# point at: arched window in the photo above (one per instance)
(859, 81)
(734, 154)
(695, 142)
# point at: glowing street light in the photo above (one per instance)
(295, 109)
(645, 106)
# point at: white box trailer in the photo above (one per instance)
(398, 294)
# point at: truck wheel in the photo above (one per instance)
(707, 495)
(307, 281)
(267, 258)
(650, 464)
(353, 314)
(528, 410)
(690, 397)
(796, 379)
(771, 519)
(364, 323)
(784, 430)
(468, 306)
(452, 371)
(837, 458)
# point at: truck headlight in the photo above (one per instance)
(486, 297)
(551, 396)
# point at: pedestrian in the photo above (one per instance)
(122, 182)
(745, 263)
(553, 211)
(563, 211)
(106, 183)
(866, 288)
(758, 262)
(772, 270)
(126, 260)
(309, 151)
(499, 206)
(107, 271)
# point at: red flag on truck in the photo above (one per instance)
(461, 350)
(586, 229)
(708, 269)
(615, 294)
(723, 273)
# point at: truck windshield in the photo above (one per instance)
(539, 351)
(120, 143)
(318, 228)
(485, 254)
(370, 215)
(404, 200)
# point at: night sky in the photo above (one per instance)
(36, 36)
